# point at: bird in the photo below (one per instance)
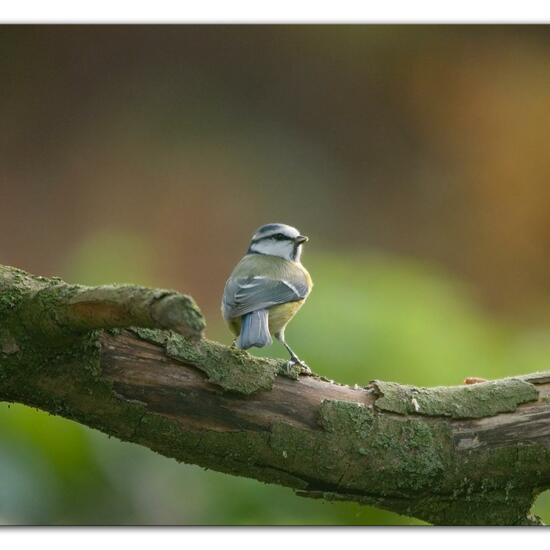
(267, 288)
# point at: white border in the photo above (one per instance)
(411, 538)
(257, 11)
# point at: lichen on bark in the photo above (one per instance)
(468, 401)
(52, 308)
(230, 368)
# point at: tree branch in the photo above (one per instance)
(52, 306)
(465, 455)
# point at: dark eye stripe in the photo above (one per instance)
(276, 236)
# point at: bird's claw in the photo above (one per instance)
(304, 369)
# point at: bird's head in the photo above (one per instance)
(278, 239)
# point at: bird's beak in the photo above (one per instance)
(301, 239)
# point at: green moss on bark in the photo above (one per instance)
(230, 368)
(472, 401)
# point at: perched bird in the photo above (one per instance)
(266, 289)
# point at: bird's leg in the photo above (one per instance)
(294, 359)
(234, 343)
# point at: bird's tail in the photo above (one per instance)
(255, 330)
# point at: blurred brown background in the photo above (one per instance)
(415, 158)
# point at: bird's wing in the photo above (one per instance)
(244, 295)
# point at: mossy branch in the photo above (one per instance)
(51, 306)
(465, 455)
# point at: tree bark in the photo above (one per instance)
(132, 363)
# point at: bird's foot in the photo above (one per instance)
(295, 362)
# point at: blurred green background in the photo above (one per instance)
(415, 158)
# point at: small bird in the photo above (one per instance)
(266, 289)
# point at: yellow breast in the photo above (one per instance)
(280, 315)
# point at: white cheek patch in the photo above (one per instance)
(283, 249)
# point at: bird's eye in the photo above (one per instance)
(279, 237)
